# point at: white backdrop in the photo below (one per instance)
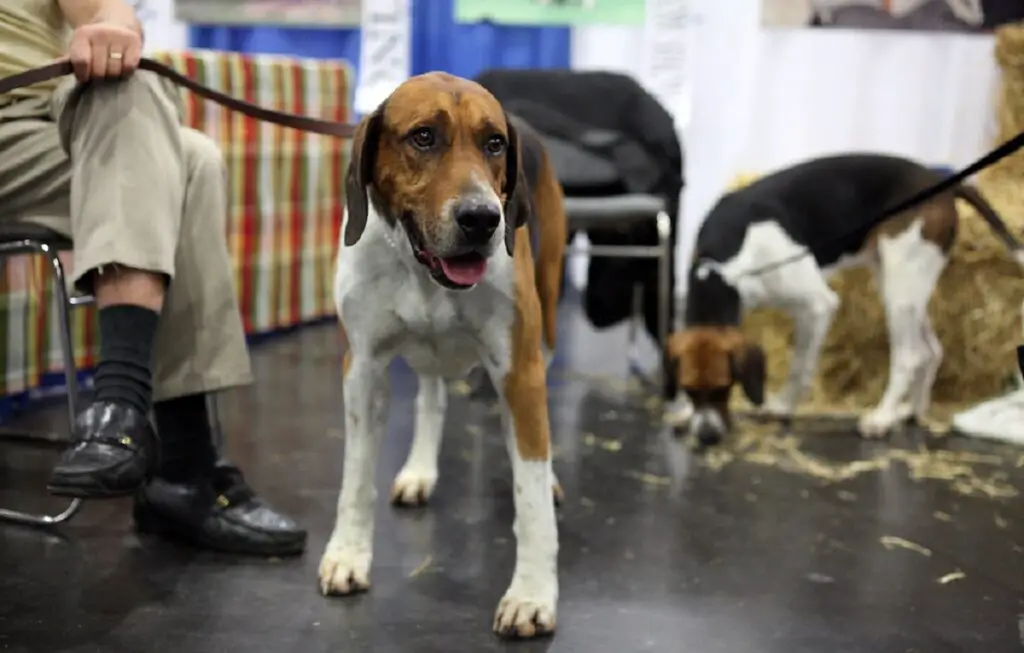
(162, 31)
(762, 99)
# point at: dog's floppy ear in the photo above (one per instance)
(517, 205)
(674, 349)
(672, 364)
(360, 174)
(750, 368)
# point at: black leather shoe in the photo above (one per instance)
(114, 454)
(221, 513)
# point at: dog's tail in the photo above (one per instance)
(971, 195)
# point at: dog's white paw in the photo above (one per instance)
(879, 423)
(527, 610)
(778, 405)
(412, 488)
(904, 412)
(344, 571)
(678, 412)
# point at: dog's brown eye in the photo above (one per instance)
(423, 138)
(495, 145)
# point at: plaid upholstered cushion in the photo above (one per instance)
(286, 199)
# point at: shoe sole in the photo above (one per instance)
(145, 525)
(67, 488)
(85, 492)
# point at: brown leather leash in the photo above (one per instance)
(294, 121)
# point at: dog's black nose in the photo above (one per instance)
(477, 221)
(708, 436)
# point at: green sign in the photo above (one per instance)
(551, 12)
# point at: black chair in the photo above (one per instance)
(617, 156)
(25, 238)
(616, 213)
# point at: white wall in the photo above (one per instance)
(162, 31)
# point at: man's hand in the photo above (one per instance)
(107, 41)
(104, 50)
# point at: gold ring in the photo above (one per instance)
(116, 56)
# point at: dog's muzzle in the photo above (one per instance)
(477, 221)
(708, 427)
(462, 262)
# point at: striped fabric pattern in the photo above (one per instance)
(286, 202)
(286, 186)
(29, 334)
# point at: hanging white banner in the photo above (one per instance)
(384, 58)
(666, 64)
(163, 32)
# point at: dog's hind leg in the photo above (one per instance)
(921, 394)
(418, 476)
(805, 294)
(909, 268)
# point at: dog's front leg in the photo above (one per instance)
(345, 565)
(528, 608)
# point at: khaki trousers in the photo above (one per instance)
(110, 165)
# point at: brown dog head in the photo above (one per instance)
(705, 363)
(440, 161)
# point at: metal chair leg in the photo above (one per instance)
(635, 314)
(70, 378)
(636, 320)
(67, 345)
(664, 224)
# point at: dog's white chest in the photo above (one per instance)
(396, 310)
(441, 331)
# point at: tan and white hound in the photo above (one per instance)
(749, 254)
(435, 265)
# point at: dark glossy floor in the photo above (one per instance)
(756, 549)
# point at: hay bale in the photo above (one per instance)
(976, 309)
(1010, 111)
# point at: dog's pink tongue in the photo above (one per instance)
(464, 271)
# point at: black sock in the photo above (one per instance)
(186, 438)
(124, 371)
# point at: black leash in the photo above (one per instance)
(283, 118)
(996, 155)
